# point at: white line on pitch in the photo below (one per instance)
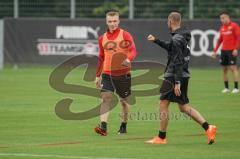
(55, 156)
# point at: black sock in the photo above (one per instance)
(205, 126)
(124, 125)
(104, 126)
(236, 84)
(226, 84)
(162, 135)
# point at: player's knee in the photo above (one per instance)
(225, 70)
(123, 102)
(183, 108)
(233, 68)
(164, 103)
(164, 116)
(106, 98)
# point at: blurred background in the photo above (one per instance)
(131, 9)
(50, 31)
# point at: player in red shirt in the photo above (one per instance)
(229, 38)
(116, 51)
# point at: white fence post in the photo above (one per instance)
(191, 9)
(16, 9)
(73, 9)
(131, 9)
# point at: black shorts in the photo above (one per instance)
(122, 84)
(168, 84)
(227, 58)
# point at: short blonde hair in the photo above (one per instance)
(175, 17)
(112, 12)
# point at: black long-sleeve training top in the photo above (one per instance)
(178, 49)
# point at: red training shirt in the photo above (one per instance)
(229, 37)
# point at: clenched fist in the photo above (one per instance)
(151, 37)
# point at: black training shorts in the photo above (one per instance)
(227, 58)
(167, 91)
(122, 84)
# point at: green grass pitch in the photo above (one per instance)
(29, 128)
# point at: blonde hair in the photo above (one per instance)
(112, 12)
(175, 17)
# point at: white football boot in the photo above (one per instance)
(225, 90)
(235, 91)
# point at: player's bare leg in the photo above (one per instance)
(124, 115)
(125, 109)
(195, 115)
(225, 79)
(104, 113)
(234, 70)
(104, 110)
(164, 114)
(225, 73)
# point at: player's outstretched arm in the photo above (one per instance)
(164, 44)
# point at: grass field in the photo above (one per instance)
(29, 128)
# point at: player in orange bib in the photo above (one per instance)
(116, 51)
